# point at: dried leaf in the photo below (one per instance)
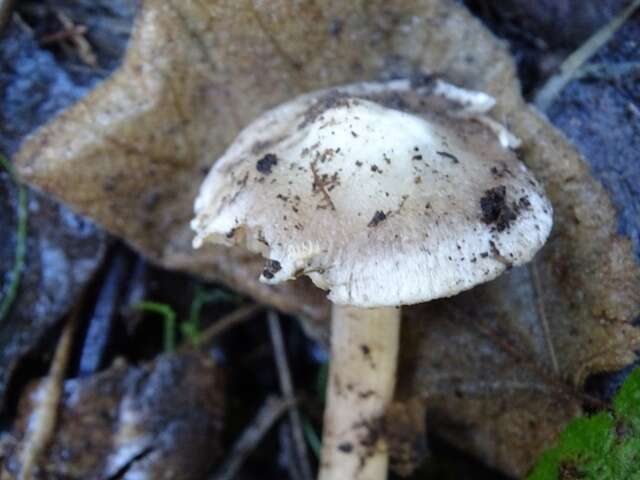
(62, 253)
(62, 250)
(159, 421)
(501, 365)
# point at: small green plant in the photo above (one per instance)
(11, 291)
(605, 446)
(168, 315)
(190, 328)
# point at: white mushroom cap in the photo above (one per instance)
(379, 206)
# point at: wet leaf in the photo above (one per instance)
(501, 365)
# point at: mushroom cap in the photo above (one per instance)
(375, 193)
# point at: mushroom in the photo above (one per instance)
(384, 194)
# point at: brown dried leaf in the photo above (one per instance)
(501, 364)
(159, 421)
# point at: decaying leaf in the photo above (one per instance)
(62, 250)
(159, 421)
(501, 365)
(62, 253)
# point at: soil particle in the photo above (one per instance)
(524, 202)
(271, 267)
(448, 155)
(495, 210)
(501, 172)
(569, 471)
(498, 255)
(261, 239)
(266, 163)
(372, 433)
(330, 100)
(345, 447)
(366, 394)
(422, 80)
(378, 217)
(335, 27)
(261, 145)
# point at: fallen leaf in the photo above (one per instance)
(501, 366)
(62, 253)
(160, 421)
(62, 250)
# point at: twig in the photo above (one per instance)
(21, 242)
(6, 7)
(608, 71)
(101, 321)
(45, 412)
(320, 185)
(266, 417)
(542, 315)
(286, 385)
(288, 448)
(63, 35)
(550, 90)
(74, 35)
(225, 323)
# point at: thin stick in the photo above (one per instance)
(45, 413)
(227, 322)
(550, 90)
(288, 448)
(6, 7)
(542, 315)
(286, 385)
(269, 413)
(607, 71)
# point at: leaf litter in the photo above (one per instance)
(500, 367)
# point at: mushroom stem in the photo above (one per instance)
(364, 353)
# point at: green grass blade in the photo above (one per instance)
(312, 437)
(11, 291)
